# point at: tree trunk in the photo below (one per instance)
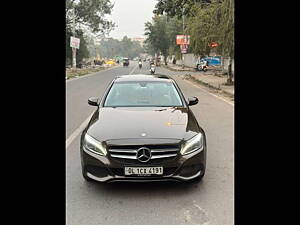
(229, 80)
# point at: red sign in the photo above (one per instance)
(214, 44)
(183, 39)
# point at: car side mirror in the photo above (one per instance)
(193, 100)
(93, 101)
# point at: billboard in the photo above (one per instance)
(183, 39)
(74, 42)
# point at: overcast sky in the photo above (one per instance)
(130, 17)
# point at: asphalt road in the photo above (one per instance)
(209, 202)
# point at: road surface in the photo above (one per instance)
(209, 202)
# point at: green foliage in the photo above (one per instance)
(90, 13)
(126, 48)
(161, 35)
(205, 20)
(175, 7)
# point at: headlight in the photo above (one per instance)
(192, 145)
(93, 145)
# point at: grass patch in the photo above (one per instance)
(71, 73)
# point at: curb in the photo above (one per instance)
(209, 85)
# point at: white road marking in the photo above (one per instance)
(230, 103)
(72, 137)
(77, 131)
(133, 69)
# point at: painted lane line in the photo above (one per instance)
(92, 74)
(77, 131)
(133, 69)
(230, 103)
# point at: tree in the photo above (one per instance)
(157, 35)
(90, 13)
(206, 21)
(174, 7)
(111, 47)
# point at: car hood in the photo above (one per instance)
(143, 123)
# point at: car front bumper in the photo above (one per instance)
(182, 168)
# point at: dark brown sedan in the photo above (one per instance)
(143, 130)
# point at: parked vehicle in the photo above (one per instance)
(165, 143)
(202, 65)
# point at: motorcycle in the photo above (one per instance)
(152, 69)
(202, 67)
(140, 65)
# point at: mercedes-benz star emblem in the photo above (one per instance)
(143, 154)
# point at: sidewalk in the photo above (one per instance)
(213, 78)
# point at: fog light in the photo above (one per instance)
(97, 171)
(190, 170)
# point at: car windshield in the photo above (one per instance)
(143, 94)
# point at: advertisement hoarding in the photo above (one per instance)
(183, 39)
(74, 42)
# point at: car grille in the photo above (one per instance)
(127, 154)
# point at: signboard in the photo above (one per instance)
(184, 48)
(183, 39)
(74, 42)
(96, 42)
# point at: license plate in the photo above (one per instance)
(144, 170)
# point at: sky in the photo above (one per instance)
(130, 17)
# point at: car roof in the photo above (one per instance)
(143, 77)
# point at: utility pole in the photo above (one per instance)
(183, 34)
(74, 49)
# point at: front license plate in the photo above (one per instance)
(144, 170)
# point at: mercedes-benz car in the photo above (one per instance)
(143, 130)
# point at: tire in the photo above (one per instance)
(199, 67)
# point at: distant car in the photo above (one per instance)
(143, 130)
(125, 62)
